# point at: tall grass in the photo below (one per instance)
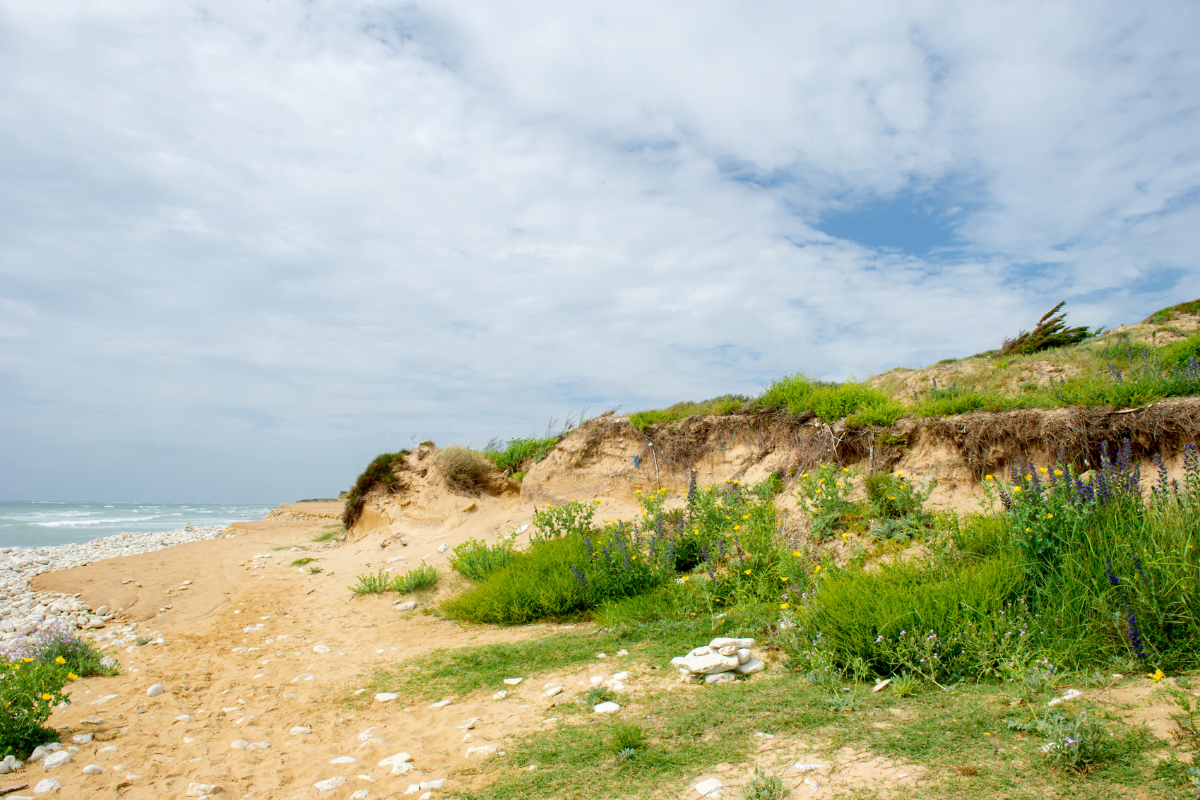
(717, 406)
(830, 402)
(519, 455)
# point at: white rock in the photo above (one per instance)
(621, 676)
(196, 789)
(184, 718)
(407, 605)
(436, 783)
(386, 697)
(482, 751)
(441, 703)
(1069, 694)
(622, 652)
(344, 760)
(678, 661)
(513, 681)
(55, 760)
(728, 650)
(709, 664)
(743, 655)
(155, 690)
(724, 641)
(82, 738)
(93, 769)
(750, 667)
(361, 794)
(709, 788)
(443, 547)
(606, 708)
(615, 685)
(329, 784)
(399, 763)
(47, 785)
(552, 691)
(426, 796)
(469, 724)
(300, 730)
(719, 678)
(500, 695)
(320, 648)
(239, 744)
(701, 651)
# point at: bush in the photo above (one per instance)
(940, 623)
(893, 497)
(830, 401)
(466, 470)
(377, 583)
(378, 472)
(475, 559)
(1083, 741)
(57, 640)
(570, 518)
(29, 690)
(824, 495)
(1180, 354)
(422, 577)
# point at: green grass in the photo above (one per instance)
(520, 454)
(475, 559)
(379, 582)
(717, 406)
(331, 534)
(830, 402)
(302, 562)
(1169, 313)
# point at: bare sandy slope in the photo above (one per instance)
(251, 685)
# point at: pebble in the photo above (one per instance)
(361, 794)
(436, 783)
(399, 763)
(386, 697)
(513, 681)
(441, 703)
(183, 718)
(197, 789)
(82, 738)
(329, 784)
(155, 690)
(709, 787)
(344, 760)
(500, 695)
(23, 611)
(93, 769)
(553, 690)
(621, 676)
(55, 760)
(239, 744)
(320, 648)
(300, 730)
(407, 605)
(606, 708)
(481, 751)
(443, 547)
(47, 785)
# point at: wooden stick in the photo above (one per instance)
(12, 789)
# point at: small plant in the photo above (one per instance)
(1083, 741)
(844, 702)
(905, 685)
(302, 562)
(422, 577)
(825, 497)
(597, 695)
(1188, 716)
(520, 454)
(553, 522)
(627, 740)
(57, 643)
(764, 787)
(29, 689)
(1051, 331)
(314, 570)
(376, 583)
(330, 534)
(466, 470)
(475, 559)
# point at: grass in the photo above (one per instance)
(466, 470)
(519, 455)
(302, 562)
(718, 406)
(379, 582)
(475, 559)
(331, 534)
(378, 473)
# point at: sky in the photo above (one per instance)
(246, 246)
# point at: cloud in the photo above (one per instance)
(247, 246)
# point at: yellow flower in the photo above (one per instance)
(727, 516)
(822, 480)
(1016, 489)
(747, 572)
(697, 530)
(1029, 530)
(745, 516)
(891, 497)
(637, 491)
(1043, 470)
(727, 480)
(47, 697)
(684, 579)
(783, 577)
(991, 477)
(784, 606)
(1028, 477)
(900, 473)
(1049, 516)
(840, 484)
(1058, 472)
(796, 553)
(71, 676)
(1156, 676)
(27, 660)
(845, 469)
(818, 568)
(737, 527)
(60, 660)
(805, 475)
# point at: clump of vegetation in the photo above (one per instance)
(519, 455)
(830, 402)
(378, 473)
(1051, 331)
(1168, 314)
(330, 534)
(379, 582)
(721, 406)
(764, 787)
(475, 559)
(466, 470)
(302, 562)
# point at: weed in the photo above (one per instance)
(520, 454)
(905, 685)
(553, 522)
(376, 583)
(764, 787)
(422, 577)
(330, 534)
(475, 559)
(302, 562)
(466, 470)
(1084, 741)
(314, 570)
(626, 741)
(825, 497)
(844, 702)
(378, 472)
(56, 642)
(1188, 716)
(596, 695)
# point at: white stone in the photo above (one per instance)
(361, 794)
(709, 788)
(55, 760)
(344, 760)
(615, 685)
(622, 652)
(1069, 694)
(386, 697)
(728, 650)
(93, 769)
(750, 667)
(469, 724)
(329, 784)
(320, 648)
(719, 678)
(399, 763)
(82, 738)
(239, 744)
(606, 708)
(513, 681)
(196, 789)
(701, 651)
(436, 783)
(709, 664)
(155, 690)
(621, 676)
(47, 785)
(722, 641)
(300, 730)
(441, 703)
(500, 695)
(553, 690)
(743, 655)
(482, 751)
(407, 605)
(443, 547)
(184, 718)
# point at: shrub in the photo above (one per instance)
(1083, 741)
(378, 472)
(830, 401)
(893, 497)
(1180, 354)
(377, 583)
(553, 522)
(824, 495)
(475, 559)
(1051, 331)
(29, 689)
(764, 787)
(466, 470)
(57, 640)
(422, 577)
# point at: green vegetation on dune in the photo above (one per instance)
(378, 473)
(717, 406)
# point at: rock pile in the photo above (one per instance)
(720, 661)
(24, 612)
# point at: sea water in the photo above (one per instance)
(42, 524)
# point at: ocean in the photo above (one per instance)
(44, 524)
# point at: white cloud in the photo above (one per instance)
(301, 232)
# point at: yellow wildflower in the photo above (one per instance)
(822, 480)
(840, 484)
(1156, 676)
(747, 572)
(71, 676)
(737, 527)
(1029, 530)
(784, 606)
(805, 475)
(845, 469)
(783, 577)
(818, 568)
(1043, 470)
(991, 477)
(891, 497)
(27, 660)
(47, 697)
(745, 516)
(60, 660)
(900, 473)
(796, 553)
(1049, 516)
(1016, 489)
(1058, 472)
